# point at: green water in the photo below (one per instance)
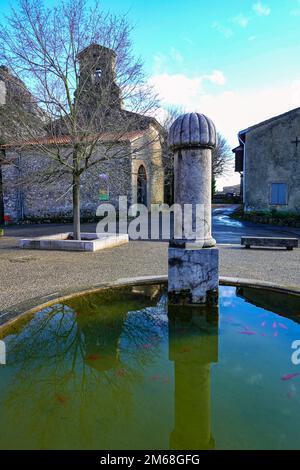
(116, 370)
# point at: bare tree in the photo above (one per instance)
(222, 156)
(169, 115)
(77, 62)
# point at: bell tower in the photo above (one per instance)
(98, 92)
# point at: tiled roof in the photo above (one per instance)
(67, 139)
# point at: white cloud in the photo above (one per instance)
(296, 10)
(159, 62)
(163, 60)
(260, 9)
(224, 30)
(241, 20)
(217, 77)
(181, 90)
(188, 40)
(231, 110)
(176, 55)
(176, 89)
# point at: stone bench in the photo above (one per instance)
(270, 242)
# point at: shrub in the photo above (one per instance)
(272, 217)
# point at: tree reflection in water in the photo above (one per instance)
(82, 374)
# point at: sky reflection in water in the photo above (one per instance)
(116, 370)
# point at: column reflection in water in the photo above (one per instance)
(193, 347)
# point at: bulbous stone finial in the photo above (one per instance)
(192, 130)
(193, 267)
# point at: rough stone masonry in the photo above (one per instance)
(193, 275)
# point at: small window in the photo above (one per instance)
(97, 75)
(279, 194)
(104, 187)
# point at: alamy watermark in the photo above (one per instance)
(296, 355)
(160, 221)
(2, 353)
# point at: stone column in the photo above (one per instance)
(193, 260)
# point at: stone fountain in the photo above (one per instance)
(193, 276)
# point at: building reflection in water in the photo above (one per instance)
(101, 325)
(98, 357)
(193, 347)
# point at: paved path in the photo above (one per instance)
(225, 229)
(31, 274)
(26, 275)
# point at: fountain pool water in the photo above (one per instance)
(114, 370)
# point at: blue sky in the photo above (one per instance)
(237, 61)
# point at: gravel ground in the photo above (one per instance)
(29, 274)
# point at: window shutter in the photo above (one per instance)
(274, 195)
(279, 194)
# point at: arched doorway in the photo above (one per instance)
(142, 186)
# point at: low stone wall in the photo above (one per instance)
(65, 242)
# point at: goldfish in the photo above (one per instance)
(155, 338)
(185, 350)
(93, 357)
(287, 377)
(61, 399)
(155, 378)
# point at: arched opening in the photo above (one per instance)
(97, 76)
(142, 186)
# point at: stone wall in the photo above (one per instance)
(20, 116)
(11, 192)
(29, 193)
(2, 93)
(149, 155)
(271, 157)
(35, 188)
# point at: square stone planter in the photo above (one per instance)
(64, 242)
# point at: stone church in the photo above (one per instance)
(137, 173)
(268, 160)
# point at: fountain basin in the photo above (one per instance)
(116, 370)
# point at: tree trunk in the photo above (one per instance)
(1, 200)
(76, 207)
(213, 186)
